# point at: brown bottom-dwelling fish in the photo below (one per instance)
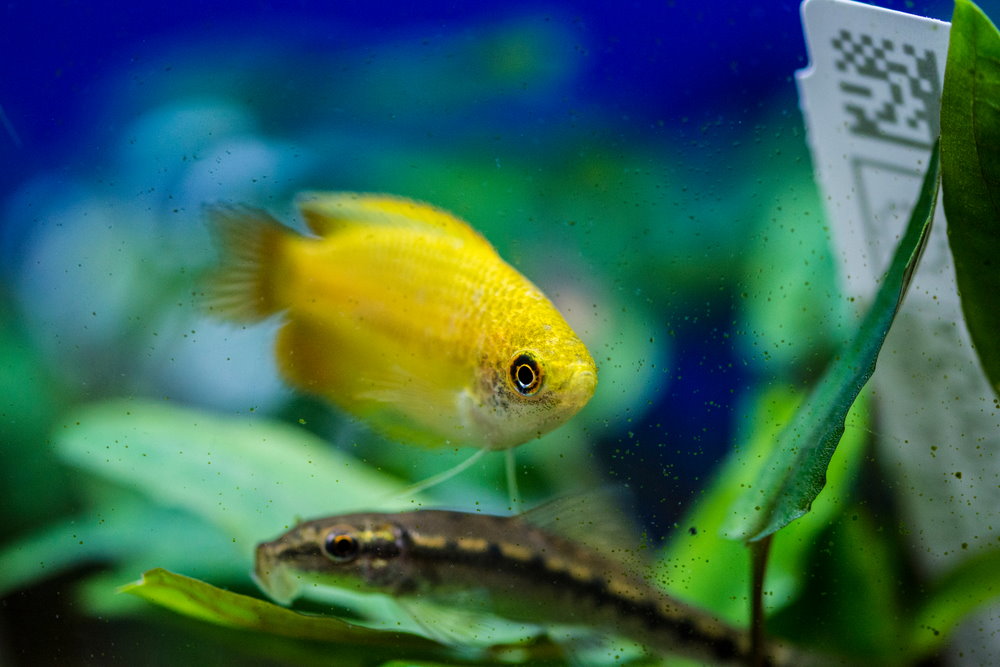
(528, 573)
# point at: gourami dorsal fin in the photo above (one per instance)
(327, 213)
(596, 519)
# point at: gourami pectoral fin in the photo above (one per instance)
(327, 213)
(251, 243)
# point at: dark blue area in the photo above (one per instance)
(666, 459)
(651, 61)
(670, 61)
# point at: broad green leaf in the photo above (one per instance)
(795, 472)
(250, 477)
(970, 165)
(205, 602)
(191, 490)
(972, 584)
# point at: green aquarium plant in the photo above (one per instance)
(970, 161)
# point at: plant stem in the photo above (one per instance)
(759, 551)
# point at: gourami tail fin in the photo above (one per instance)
(250, 242)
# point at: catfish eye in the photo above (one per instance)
(525, 373)
(341, 547)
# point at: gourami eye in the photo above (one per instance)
(525, 373)
(341, 547)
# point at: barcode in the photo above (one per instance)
(890, 94)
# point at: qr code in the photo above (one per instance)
(891, 94)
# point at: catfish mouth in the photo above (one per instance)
(273, 576)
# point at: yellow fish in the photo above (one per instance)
(403, 315)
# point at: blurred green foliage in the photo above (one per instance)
(137, 435)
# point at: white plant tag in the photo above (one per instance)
(871, 99)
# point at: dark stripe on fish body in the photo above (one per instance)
(533, 575)
(304, 549)
(646, 606)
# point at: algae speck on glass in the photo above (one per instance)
(268, 400)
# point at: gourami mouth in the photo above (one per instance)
(583, 384)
